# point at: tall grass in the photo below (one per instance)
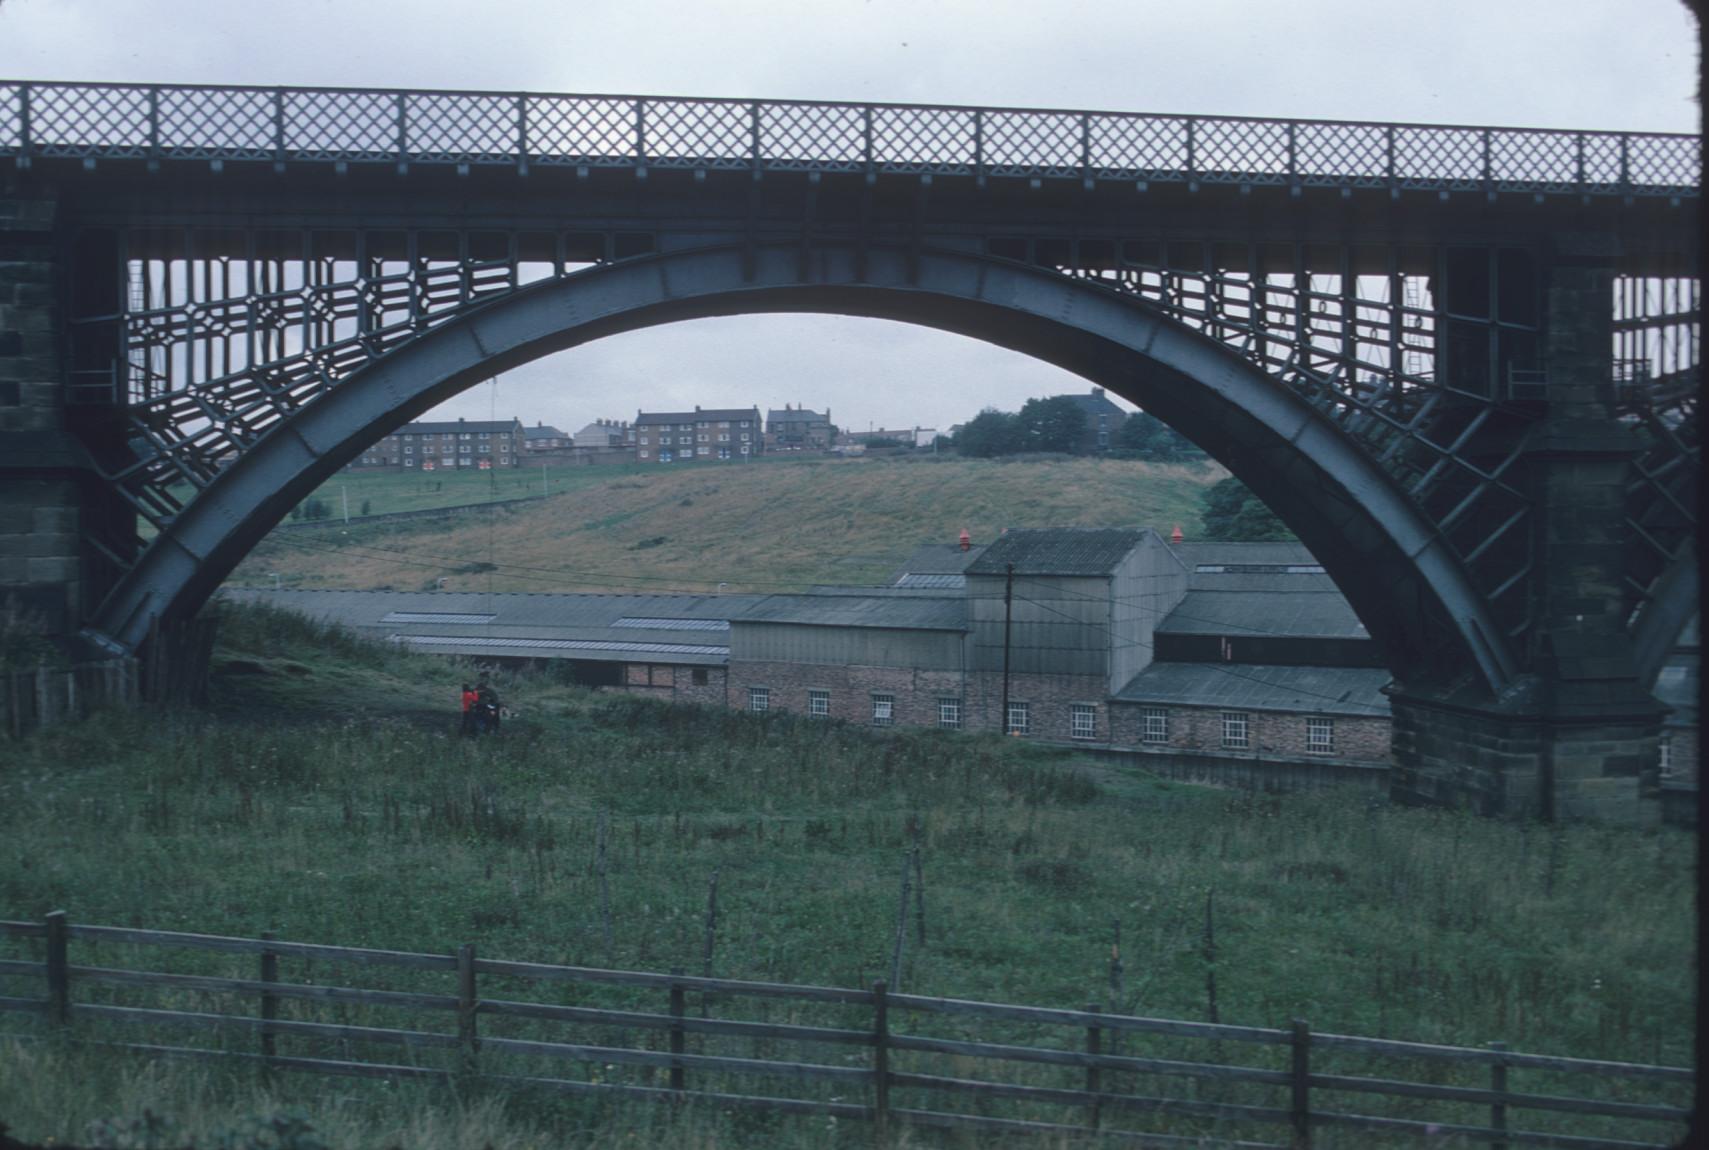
(326, 797)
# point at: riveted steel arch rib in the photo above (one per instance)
(1401, 577)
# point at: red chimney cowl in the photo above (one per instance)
(966, 539)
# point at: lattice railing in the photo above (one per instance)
(114, 121)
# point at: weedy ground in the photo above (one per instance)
(324, 795)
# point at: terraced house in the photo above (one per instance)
(442, 446)
(710, 433)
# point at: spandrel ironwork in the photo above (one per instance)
(306, 125)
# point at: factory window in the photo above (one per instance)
(1156, 725)
(1020, 719)
(819, 704)
(1083, 720)
(1234, 730)
(883, 710)
(1319, 736)
(759, 699)
(949, 714)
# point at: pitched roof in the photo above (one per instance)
(708, 414)
(1094, 403)
(665, 628)
(795, 415)
(1059, 550)
(1353, 691)
(541, 431)
(445, 427)
(1295, 614)
(937, 559)
(903, 613)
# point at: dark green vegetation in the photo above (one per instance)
(1055, 424)
(1232, 512)
(323, 797)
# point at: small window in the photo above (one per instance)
(759, 699)
(949, 714)
(486, 435)
(1320, 736)
(1664, 756)
(1083, 720)
(646, 454)
(819, 704)
(699, 676)
(409, 449)
(464, 449)
(1234, 730)
(1020, 719)
(1156, 728)
(744, 437)
(465, 435)
(883, 710)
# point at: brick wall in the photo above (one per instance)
(674, 683)
(1049, 699)
(1277, 734)
(914, 693)
(40, 511)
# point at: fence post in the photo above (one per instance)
(881, 1061)
(1498, 1084)
(466, 1005)
(1301, 1073)
(1094, 1074)
(58, 969)
(676, 1028)
(269, 1000)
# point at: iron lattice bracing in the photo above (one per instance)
(295, 125)
(222, 349)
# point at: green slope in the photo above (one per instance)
(759, 527)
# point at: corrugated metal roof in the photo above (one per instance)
(1058, 550)
(931, 582)
(905, 613)
(938, 559)
(560, 648)
(1303, 614)
(1257, 687)
(539, 625)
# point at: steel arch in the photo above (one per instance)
(1403, 579)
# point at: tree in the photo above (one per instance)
(1056, 424)
(989, 433)
(1234, 514)
(1153, 439)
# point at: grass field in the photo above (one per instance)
(783, 524)
(324, 797)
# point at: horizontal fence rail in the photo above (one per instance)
(519, 129)
(887, 1059)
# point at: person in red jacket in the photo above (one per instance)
(468, 709)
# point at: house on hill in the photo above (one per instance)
(1104, 420)
(543, 438)
(704, 433)
(444, 446)
(797, 429)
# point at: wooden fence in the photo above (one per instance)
(32, 700)
(886, 1059)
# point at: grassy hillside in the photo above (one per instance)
(323, 797)
(768, 526)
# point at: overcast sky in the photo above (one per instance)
(1593, 64)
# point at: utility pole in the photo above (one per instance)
(1008, 618)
